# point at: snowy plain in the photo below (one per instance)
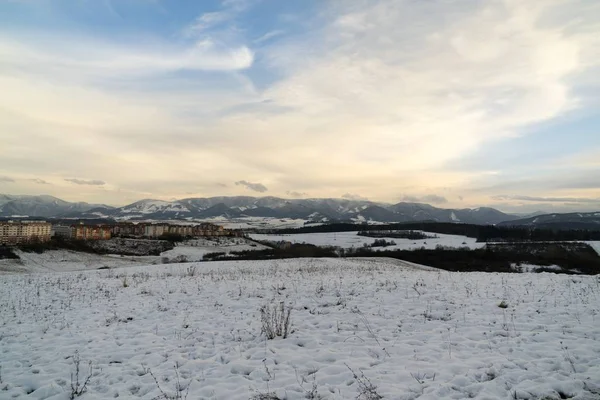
(352, 239)
(66, 260)
(413, 333)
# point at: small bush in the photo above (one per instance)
(78, 384)
(276, 320)
(366, 389)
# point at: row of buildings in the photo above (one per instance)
(12, 232)
(18, 232)
(154, 230)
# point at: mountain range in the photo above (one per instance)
(311, 210)
(315, 210)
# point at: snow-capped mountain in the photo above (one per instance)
(41, 206)
(583, 220)
(316, 210)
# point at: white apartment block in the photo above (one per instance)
(17, 232)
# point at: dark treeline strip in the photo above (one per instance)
(573, 258)
(294, 251)
(7, 253)
(580, 260)
(412, 235)
(483, 233)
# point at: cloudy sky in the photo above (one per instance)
(457, 103)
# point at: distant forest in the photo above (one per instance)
(483, 233)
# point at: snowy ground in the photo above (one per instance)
(351, 239)
(412, 333)
(65, 260)
(194, 250)
(595, 246)
(259, 222)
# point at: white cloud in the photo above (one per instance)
(352, 196)
(375, 101)
(268, 36)
(92, 182)
(98, 59)
(257, 187)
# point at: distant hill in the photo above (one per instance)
(585, 220)
(313, 210)
(41, 206)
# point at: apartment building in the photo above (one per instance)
(84, 232)
(17, 232)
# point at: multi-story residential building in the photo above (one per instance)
(183, 230)
(129, 229)
(17, 232)
(84, 232)
(156, 230)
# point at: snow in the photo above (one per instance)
(65, 260)
(194, 250)
(595, 245)
(351, 239)
(453, 217)
(413, 333)
(258, 222)
(534, 268)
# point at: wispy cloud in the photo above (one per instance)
(94, 58)
(92, 182)
(39, 181)
(430, 198)
(352, 196)
(269, 35)
(296, 194)
(257, 187)
(547, 199)
(371, 97)
(6, 179)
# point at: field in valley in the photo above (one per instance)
(352, 239)
(366, 329)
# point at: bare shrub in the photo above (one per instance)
(179, 394)
(265, 396)
(276, 320)
(78, 384)
(366, 389)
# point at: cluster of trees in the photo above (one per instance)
(58, 243)
(381, 243)
(571, 257)
(579, 258)
(410, 234)
(483, 233)
(7, 253)
(296, 250)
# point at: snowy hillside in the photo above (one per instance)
(41, 206)
(347, 240)
(373, 327)
(308, 210)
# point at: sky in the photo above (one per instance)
(456, 103)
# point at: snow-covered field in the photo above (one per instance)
(595, 245)
(65, 260)
(405, 333)
(258, 222)
(351, 239)
(194, 250)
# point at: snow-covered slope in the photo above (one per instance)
(585, 220)
(358, 326)
(41, 206)
(313, 210)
